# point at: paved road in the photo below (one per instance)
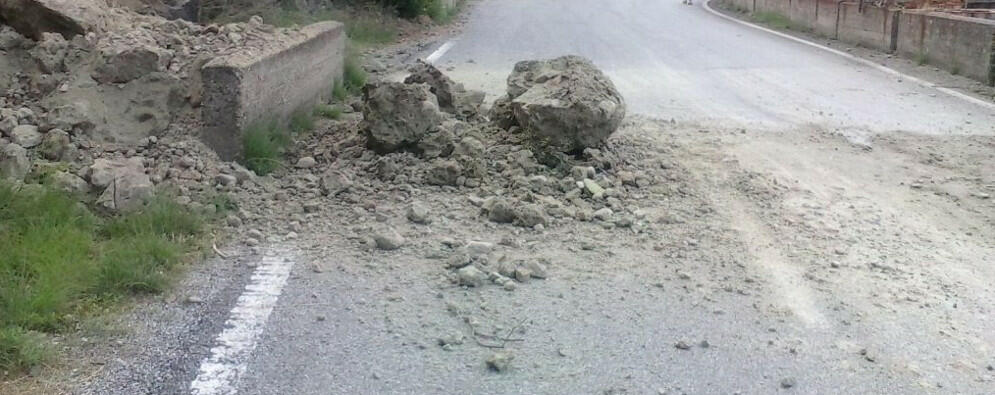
(367, 325)
(681, 62)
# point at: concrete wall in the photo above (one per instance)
(245, 88)
(870, 27)
(952, 42)
(956, 43)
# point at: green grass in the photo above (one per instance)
(339, 93)
(775, 20)
(440, 13)
(61, 261)
(353, 75)
(370, 30)
(262, 147)
(301, 122)
(328, 111)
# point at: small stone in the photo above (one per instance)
(311, 207)
(26, 136)
(418, 213)
(501, 211)
(255, 234)
(478, 248)
(471, 276)
(194, 300)
(453, 339)
(388, 240)
(603, 214)
(251, 242)
(522, 274)
(500, 362)
(704, 344)
(510, 286)
(55, 145)
(226, 180)
(592, 188)
(233, 221)
(306, 162)
(443, 172)
(682, 345)
(788, 382)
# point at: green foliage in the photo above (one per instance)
(327, 111)
(775, 20)
(20, 350)
(262, 147)
(59, 260)
(301, 122)
(339, 92)
(353, 75)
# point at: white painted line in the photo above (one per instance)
(220, 372)
(987, 104)
(439, 52)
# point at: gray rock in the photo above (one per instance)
(788, 382)
(73, 116)
(469, 147)
(500, 361)
(479, 248)
(471, 276)
(128, 189)
(443, 172)
(501, 115)
(418, 213)
(241, 173)
(529, 215)
(225, 180)
(334, 182)
(69, 182)
(388, 240)
(14, 163)
(566, 102)
(50, 53)
(592, 188)
(397, 116)
(452, 97)
(255, 234)
(306, 162)
(33, 18)
(26, 136)
(56, 145)
(104, 171)
(123, 63)
(501, 211)
(8, 123)
(603, 214)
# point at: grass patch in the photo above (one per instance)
(262, 147)
(328, 111)
(353, 75)
(775, 20)
(440, 13)
(301, 122)
(370, 29)
(339, 93)
(61, 261)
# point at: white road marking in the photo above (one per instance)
(885, 69)
(220, 372)
(439, 52)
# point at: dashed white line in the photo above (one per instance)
(885, 69)
(220, 372)
(439, 52)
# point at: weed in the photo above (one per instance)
(922, 59)
(301, 122)
(327, 111)
(262, 147)
(21, 350)
(370, 30)
(955, 70)
(353, 76)
(339, 92)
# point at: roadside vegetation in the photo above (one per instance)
(62, 261)
(777, 21)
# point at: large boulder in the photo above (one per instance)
(125, 184)
(399, 116)
(452, 96)
(123, 63)
(69, 18)
(566, 103)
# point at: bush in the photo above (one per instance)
(327, 111)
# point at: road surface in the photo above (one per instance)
(827, 231)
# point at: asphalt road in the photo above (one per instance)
(675, 61)
(368, 325)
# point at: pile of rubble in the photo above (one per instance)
(551, 164)
(102, 101)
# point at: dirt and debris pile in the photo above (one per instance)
(566, 102)
(69, 18)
